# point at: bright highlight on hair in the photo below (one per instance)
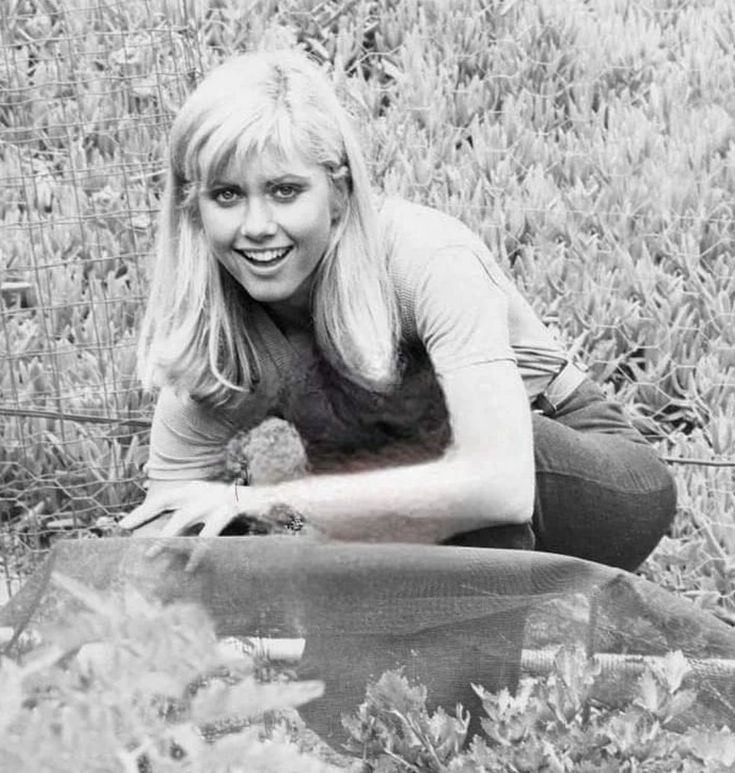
(195, 331)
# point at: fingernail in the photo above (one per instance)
(195, 558)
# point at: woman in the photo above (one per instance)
(434, 405)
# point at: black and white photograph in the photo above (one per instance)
(367, 386)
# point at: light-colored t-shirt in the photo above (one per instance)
(458, 309)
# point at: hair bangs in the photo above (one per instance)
(278, 136)
(236, 141)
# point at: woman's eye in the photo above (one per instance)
(225, 195)
(284, 192)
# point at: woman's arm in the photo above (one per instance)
(486, 478)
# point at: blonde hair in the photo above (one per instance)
(194, 333)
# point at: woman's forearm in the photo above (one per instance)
(426, 502)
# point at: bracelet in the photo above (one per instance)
(285, 519)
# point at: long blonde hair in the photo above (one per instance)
(194, 334)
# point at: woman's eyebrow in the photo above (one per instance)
(221, 182)
(280, 177)
(290, 177)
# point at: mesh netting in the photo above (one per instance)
(449, 616)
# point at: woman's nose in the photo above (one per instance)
(258, 223)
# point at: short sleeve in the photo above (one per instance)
(187, 440)
(461, 311)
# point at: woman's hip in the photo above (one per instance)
(591, 436)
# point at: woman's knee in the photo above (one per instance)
(618, 521)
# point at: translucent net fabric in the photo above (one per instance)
(451, 616)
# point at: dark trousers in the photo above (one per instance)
(602, 494)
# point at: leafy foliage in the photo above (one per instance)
(126, 684)
(136, 687)
(551, 724)
(393, 726)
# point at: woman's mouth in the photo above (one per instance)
(265, 258)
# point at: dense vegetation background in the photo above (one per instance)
(590, 142)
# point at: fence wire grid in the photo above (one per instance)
(590, 143)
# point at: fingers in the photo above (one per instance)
(197, 549)
(176, 526)
(213, 526)
(189, 495)
(216, 523)
(184, 520)
(180, 548)
(179, 512)
(155, 549)
(153, 528)
(143, 514)
(200, 549)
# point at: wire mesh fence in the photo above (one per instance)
(591, 144)
(87, 93)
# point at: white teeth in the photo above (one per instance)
(265, 256)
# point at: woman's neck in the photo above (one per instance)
(290, 319)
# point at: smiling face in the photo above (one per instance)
(269, 223)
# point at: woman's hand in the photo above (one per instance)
(204, 508)
(174, 508)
